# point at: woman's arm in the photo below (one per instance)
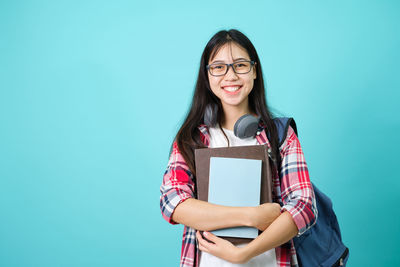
(205, 216)
(279, 232)
(297, 192)
(299, 211)
(178, 205)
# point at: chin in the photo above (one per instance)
(232, 103)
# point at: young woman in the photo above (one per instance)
(230, 78)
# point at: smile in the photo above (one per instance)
(232, 89)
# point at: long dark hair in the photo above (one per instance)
(188, 136)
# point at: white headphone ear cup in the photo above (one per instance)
(246, 126)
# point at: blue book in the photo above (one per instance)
(235, 182)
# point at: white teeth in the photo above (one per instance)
(231, 89)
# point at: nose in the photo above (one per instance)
(231, 74)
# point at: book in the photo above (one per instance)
(235, 182)
(202, 161)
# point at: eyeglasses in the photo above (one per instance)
(240, 67)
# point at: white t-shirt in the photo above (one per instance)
(266, 259)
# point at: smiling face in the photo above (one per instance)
(232, 89)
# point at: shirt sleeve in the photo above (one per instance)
(177, 185)
(296, 189)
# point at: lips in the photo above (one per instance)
(232, 89)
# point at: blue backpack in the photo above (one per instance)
(322, 244)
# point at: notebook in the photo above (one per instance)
(235, 182)
(258, 152)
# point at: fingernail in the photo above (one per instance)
(205, 233)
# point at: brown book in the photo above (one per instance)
(259, 152)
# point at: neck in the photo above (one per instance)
(232, 114)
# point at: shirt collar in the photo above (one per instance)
(261, 135)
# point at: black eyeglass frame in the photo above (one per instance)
(252, 63)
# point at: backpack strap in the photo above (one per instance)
(282, 125)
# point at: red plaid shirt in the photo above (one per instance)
(293, 192)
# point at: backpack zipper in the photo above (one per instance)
(340, 261)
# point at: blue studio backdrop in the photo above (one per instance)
(93, 92)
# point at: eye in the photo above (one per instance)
(218, 67)
(241, 64)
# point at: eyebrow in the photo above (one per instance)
(237, 59)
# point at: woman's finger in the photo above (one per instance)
(202, 241)
(202, 248)
(211, 237)
(199, 237)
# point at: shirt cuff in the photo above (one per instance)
(297, 218)
(172, 200)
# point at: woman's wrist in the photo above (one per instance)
(262, 216)
(249, 216)
(244, 254)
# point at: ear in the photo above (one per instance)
(254, 71)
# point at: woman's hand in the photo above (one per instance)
(263, 215)
(221, 248)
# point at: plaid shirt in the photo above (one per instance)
(293, 192)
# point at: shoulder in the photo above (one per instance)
(203, 132)
(175, 155)
(290, 141)
(291, 134)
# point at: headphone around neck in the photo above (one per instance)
(246, 126)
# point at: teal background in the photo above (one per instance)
(93, 92)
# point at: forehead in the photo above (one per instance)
(229, 52)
